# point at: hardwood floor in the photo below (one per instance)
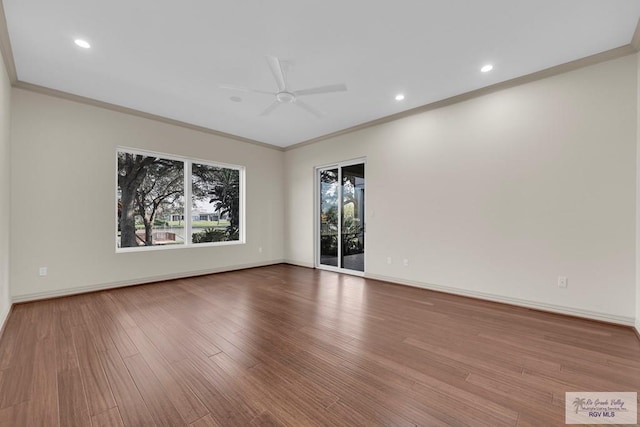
(284, 345)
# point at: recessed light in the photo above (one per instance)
(399, 97)
(486, 68)
(82, 43)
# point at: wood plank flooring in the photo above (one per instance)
(290, 346)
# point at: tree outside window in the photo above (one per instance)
(151, 204)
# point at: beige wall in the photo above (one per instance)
(638, 199)
(493, 197)
(5, 191)
(63, 207)
(499, 195)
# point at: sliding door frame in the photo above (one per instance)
(316, 215)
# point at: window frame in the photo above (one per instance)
(188, 201)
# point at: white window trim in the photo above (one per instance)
(188, 162)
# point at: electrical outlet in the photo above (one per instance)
(405, 262)
(562, 281)
(42, 271)
(388, 260)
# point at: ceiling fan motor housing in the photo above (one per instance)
(285, 97)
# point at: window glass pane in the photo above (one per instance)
(329, 217)
(150, 201)
(153, 208)
(353, 217)
(215, 204)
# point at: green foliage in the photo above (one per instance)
(222, 187)
(329, 245)
(352, 234)
(149, 187)
(210, 235)
(152, 190)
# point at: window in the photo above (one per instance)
(151, 210)
(216, 194)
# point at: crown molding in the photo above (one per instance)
(7, 54)
(5, 47)
(538, 75)
(118, 108)
(635, 40)
(9, 62)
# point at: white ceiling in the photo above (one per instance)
(169, 57)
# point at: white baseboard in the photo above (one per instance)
(138, 281)
(622, 320)
(300, 263)
(571, 311)
(4, 316)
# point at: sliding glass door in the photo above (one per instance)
(340, 219)
(329, 217)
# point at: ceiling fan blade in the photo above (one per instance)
(278, 73)
(270, 108)
(322, 89)
(245, 89)
(309, 108)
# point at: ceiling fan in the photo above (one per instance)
(286, 96)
